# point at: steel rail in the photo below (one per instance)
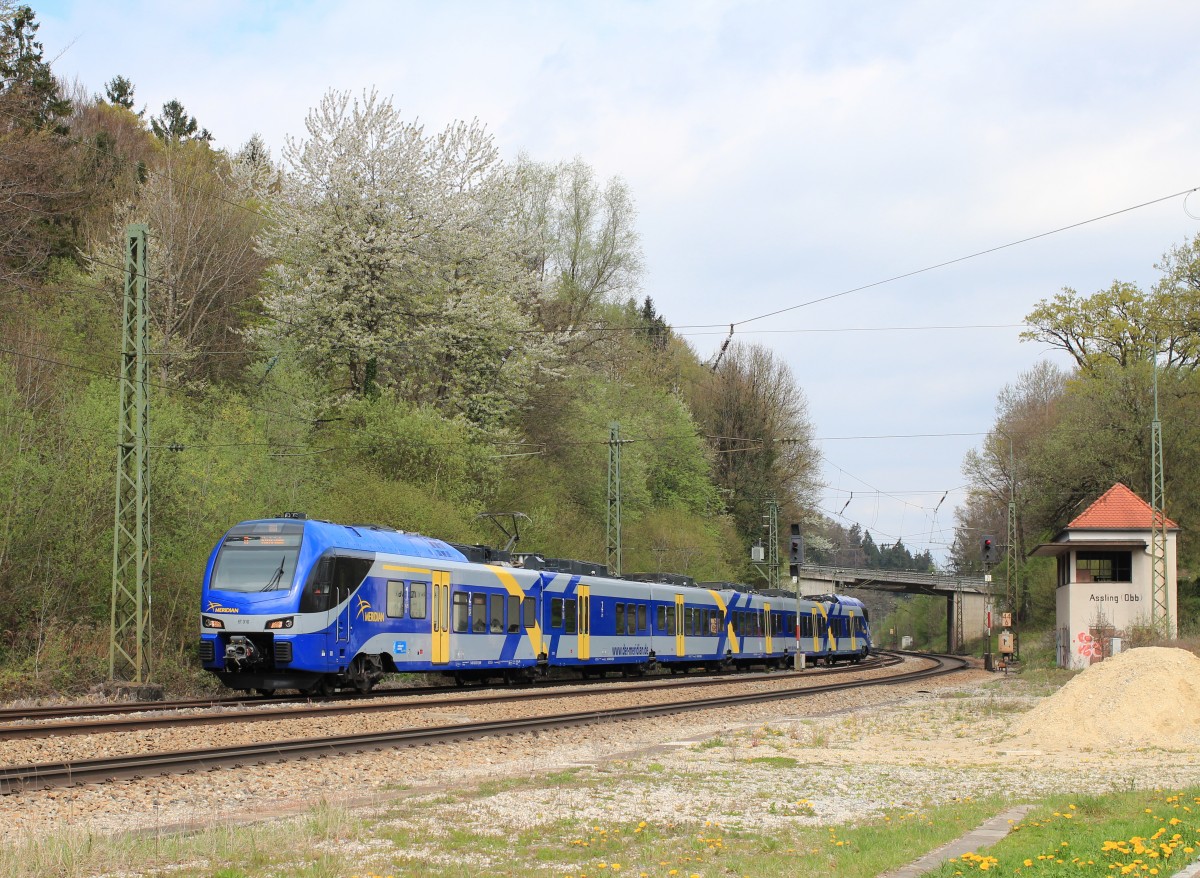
(50, 775)
(354, 704)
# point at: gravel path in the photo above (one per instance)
(862, 752)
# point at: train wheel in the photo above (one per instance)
(265, 693)
(317, 690)
(360, 676)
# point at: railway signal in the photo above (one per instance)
(795, 551)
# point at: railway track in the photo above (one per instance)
(16, 779)
(257, 709)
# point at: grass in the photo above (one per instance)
(414, 838)
(1139, 833)
(1131, 833)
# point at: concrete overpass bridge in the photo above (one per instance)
(967, 597)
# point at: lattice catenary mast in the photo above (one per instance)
(129, 654)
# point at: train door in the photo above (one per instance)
(766, 611)
(585, 622)
(341, 624)
(440, 629)
(853, 631)
(816, 630)
(680, 644)
(345, 574)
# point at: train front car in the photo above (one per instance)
(293, 604)
(849, 629)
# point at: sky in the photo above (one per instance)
(779, 153)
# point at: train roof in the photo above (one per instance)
(363, 537)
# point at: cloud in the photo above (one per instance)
(778, 152)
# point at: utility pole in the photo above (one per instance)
(612, 551)
(772, 527)
(1160, 605)
(771, 561)
(1014, 585)
(129, 628)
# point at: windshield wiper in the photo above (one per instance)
(274, 580)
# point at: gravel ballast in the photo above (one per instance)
(856, 754)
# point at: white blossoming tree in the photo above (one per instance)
(396, 263)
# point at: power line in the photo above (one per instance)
(836, 329)
(956, 260)
(112, 377)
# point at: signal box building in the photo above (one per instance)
(1105, 577)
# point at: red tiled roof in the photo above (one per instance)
(1118, 509)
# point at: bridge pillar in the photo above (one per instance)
(952, 643)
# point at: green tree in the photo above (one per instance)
(757, 419)
(1124, 325)
(28, 90)
(176, 126)
(119, 92)
(207, 268)
(581, 239)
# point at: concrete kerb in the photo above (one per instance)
(985, 834)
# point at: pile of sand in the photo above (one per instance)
(1146, 697)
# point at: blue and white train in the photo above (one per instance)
(294, 603)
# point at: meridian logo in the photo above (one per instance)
(214, 607)
(366, 613)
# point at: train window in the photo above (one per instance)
(670, 619)
(556, 616)
(631, 618)
(348, 574)
(569, 617)
(806, 626)
(660, 618)
(619, 627)
(416, 599)
(395, 598)
(698, 622)
(496, 613)
(479, 612)
(714, 623)
(514, 613)
(460, 611)
(689, 620)
(860, 626)
(822, 626)
(529, 612)
(641, 617)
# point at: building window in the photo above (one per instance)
(1103, 566)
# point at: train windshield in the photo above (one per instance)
(258, 557)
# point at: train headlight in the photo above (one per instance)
(210, 622)
(276, 624)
